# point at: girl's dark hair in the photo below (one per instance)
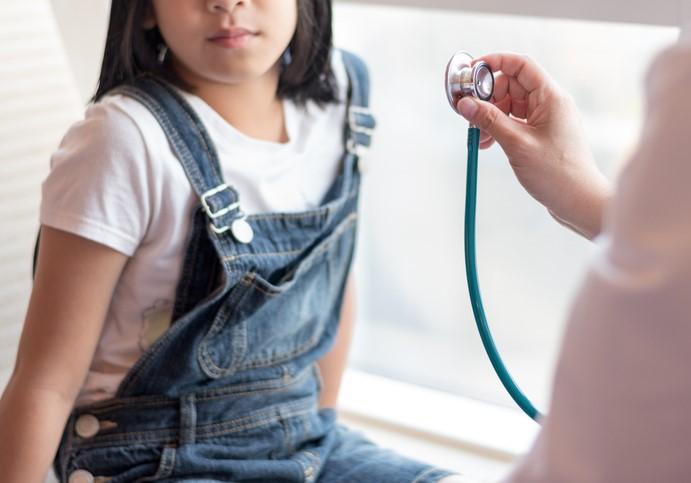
(131, 51)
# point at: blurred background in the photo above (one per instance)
(415, 323)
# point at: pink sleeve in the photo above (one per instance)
(621, 403)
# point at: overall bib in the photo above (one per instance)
(230, 392)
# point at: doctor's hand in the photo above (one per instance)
(539, 128)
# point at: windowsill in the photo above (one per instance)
(485, 430)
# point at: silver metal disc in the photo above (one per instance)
(484, 82)
(455, 77)
(466, 77)
(242, 231)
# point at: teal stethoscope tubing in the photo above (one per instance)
(474, 286)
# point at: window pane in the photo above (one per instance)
(415, 321)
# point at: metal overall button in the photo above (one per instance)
(81, 476)
(87, 426)
(242, 231)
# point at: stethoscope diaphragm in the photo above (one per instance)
(467, 78)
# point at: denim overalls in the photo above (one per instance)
(230, 392)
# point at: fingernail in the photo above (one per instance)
(467, 107)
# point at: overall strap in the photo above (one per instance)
(192, 146)
(360, 121)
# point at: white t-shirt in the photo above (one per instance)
(115, 180)
(621, 405)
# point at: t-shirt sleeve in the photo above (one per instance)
(99, 182)
(621, 398)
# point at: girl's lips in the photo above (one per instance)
(232, 38)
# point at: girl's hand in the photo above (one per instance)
(539, 128)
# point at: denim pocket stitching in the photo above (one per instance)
(238, 331)
(207, 363)
(286, 281)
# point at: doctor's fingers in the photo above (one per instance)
(510, 96)
(527, 72)
(508, 85)
(486, 139)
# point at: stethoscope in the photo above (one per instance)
(464, 77)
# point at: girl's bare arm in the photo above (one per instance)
(75, 279)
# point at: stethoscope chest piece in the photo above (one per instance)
(467, 78)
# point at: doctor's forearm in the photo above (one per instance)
(332, 366)
(586, 216)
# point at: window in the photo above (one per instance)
(415, 321)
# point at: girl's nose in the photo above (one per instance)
(222, 5)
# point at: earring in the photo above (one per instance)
(287, 57)
(162, 53)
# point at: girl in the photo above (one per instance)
(198, 229)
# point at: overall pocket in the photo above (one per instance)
(269, 322)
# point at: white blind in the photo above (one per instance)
(38, 102)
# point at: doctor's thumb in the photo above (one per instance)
(489, 118)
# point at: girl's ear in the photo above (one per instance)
(149, 17)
